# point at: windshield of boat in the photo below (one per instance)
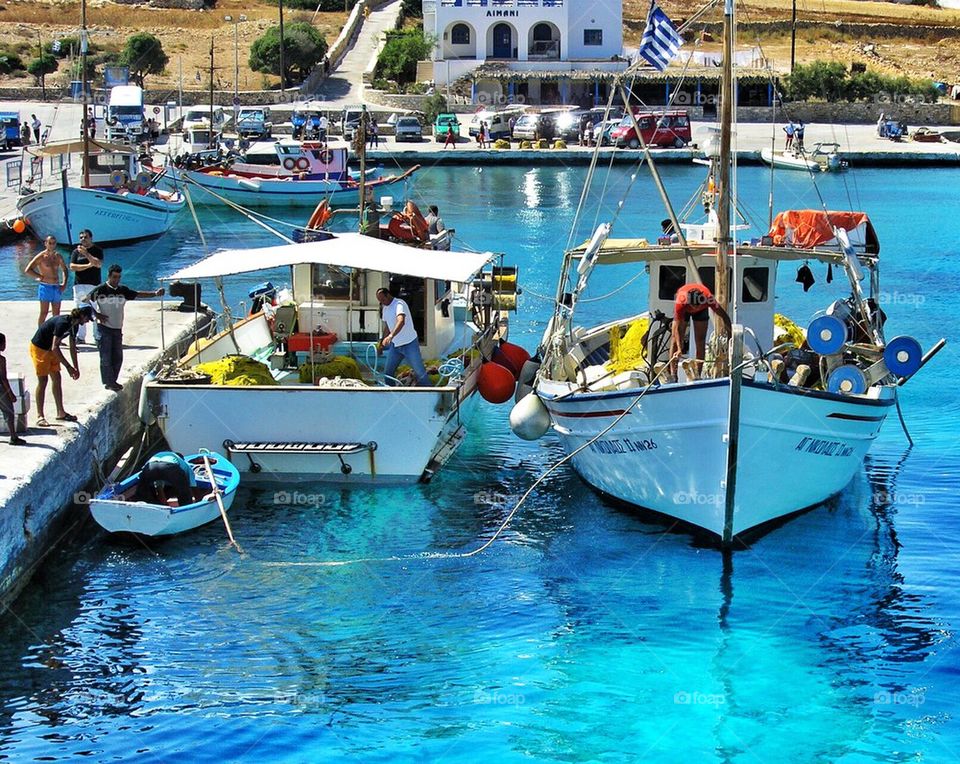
(329, 283)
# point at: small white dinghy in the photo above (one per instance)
(169, 494)
(790, 160)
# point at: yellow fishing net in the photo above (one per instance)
(339, 366)
(237, 371)
(627, 351)
(789, 331)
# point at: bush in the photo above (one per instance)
(432, 106)
(399, 57)
(411, 9)
(10, 62)
(42, 65)
(831, 81)
(329, 6)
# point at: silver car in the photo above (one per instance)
(408, 129)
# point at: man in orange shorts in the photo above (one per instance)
(47, 357)
(693, 301)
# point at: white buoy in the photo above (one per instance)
(144, 410)
(529, 419)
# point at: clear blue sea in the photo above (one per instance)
(586, 632)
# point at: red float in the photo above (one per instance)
(511, 357)
(495, 383)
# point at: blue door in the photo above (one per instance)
(502, 41)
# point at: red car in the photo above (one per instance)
(670, 128)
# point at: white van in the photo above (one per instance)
(197, 115)
(124, 117)
(350, 121)
(498, 123)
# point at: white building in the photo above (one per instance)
(534, 51)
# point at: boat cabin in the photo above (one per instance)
(111, 165)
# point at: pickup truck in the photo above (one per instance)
(446, 123)
(254, 122)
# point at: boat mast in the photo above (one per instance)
(360, 139)
(726, 128)
(85, 159)
(210, 143)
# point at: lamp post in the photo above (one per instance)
(236, 62)
(282, 80)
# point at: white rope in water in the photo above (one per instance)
(503, 526)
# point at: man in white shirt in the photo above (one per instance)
(400, 342)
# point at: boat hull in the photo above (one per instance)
(144, 519)
(670, 452)
(271, 192)
(789, 162)
(265, 429)
(113, 217)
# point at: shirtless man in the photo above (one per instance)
(48, 268)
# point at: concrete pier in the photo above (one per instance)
(43, 484)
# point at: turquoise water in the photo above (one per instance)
(585, 632)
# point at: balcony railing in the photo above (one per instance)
(501, 3)
(545, 50)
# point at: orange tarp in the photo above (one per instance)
(808, 228)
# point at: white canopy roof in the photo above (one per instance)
(346, 250)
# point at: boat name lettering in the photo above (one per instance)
(824, 447)
(114, 215)
(622, 446)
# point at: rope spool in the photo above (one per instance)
(827, 335)
(847, 379)
(118, 178)
(903, 356)
(143, 180)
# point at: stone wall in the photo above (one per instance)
(187, 5)
(857, 113)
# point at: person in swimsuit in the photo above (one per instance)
(693, 301)
(48, 268)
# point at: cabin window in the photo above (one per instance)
(755, 284)
(672, 277)
(330, 283)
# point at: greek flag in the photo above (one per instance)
(660, 42)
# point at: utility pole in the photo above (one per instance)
(793, 37)
(282, 80)
(43, 76)
(210, 142)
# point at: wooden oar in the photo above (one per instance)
(223, 511)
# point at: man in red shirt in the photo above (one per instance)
(693, 301)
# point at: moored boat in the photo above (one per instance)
(159, 500)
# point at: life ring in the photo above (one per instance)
(326, 156)
(303, 163)
(321, 215)
(289, 163)
(117, 178)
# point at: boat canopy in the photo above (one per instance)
(344, 250)
(806, 229)
(58, 148)
(623, 251)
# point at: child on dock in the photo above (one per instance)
(8, 398)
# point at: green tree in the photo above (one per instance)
(432, 106)
(144, 55)
(43, 65)
(819, 79)
(411, 9)
(10, 62)
(399, 57)
(303, 48)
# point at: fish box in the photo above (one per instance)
(301, 342)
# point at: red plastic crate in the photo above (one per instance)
(300, 342)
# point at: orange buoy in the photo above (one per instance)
(495, 383)
(511, 357)
(19, 225)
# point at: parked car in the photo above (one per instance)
(533, 126)
(408, 129)
(198, 115)
(254, 122)
(9, 129)
(602, 130)
(350, 121)
(446, 123)
(670, 128)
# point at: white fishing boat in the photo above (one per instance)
(772, 422)
(305, 172)
(321, 407)
(121, 507)
(824, 157)
(113, 195)
(114, 198)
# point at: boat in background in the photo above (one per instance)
(121, 507)
(824, 157)
(118, 200)
(305, 172)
